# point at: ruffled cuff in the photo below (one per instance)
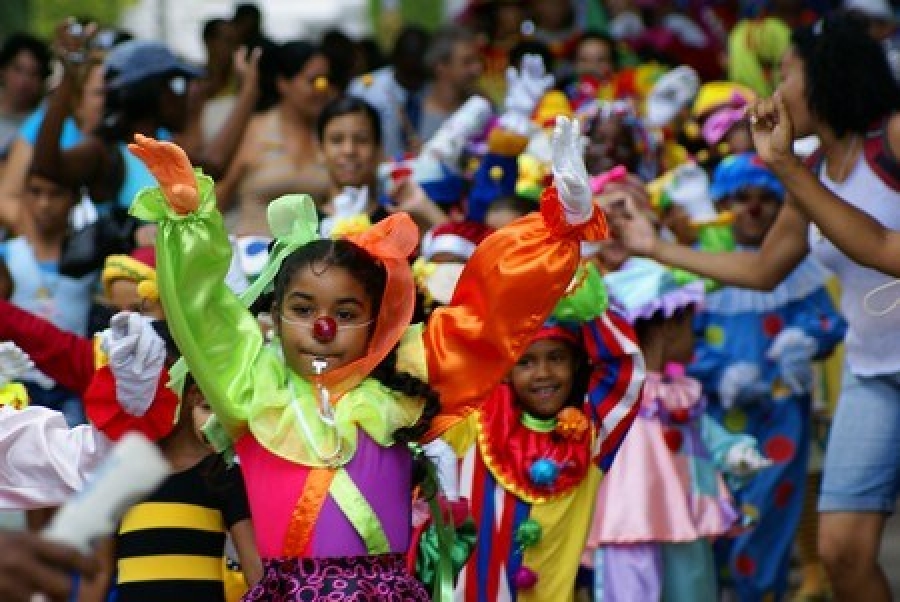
(595, 229)
(151, 205)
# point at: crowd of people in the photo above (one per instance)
(570, 300)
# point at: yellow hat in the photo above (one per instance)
(553, 104)
(717, 95)
(139, 267)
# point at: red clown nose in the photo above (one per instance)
(325, 329)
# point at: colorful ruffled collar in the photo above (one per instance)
(534, 466)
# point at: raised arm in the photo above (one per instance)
(218, 338)
(65, 357)
(783, 249)
(510, 286)
(82, 163)
(856, 233)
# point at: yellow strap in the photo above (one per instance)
(172, 567)
(171, 515)
(353, 504)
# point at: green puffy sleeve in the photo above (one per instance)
(219, 339)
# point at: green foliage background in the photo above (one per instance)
(41, 16)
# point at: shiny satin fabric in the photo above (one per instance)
(505, 293)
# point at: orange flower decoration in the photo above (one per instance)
(571, 423)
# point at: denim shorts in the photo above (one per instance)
(862, 460)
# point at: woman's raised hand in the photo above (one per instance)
(773, 132)
(629, 222)
(171, 167)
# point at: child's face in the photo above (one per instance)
(123, 296)
(49, 204)
(680, 337)
(200, 411)
(594, 58)
(543, 377)
(330, 291)
(755, 209)
(350, 151)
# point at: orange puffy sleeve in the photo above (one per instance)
(506, 292)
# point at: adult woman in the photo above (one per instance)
(86, 113)
(835, 83)
(278, 153)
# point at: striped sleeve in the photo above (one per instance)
(615, 387)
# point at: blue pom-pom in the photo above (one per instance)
(544, 472)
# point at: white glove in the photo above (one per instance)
(445, 461)
(793, 351)
(689, 189)
(741, 385)
(136, 358)
(569, 173)
(447, 144)
(14, 363)
(83, 214)
(524, 90)
(349, 203)
(744, 460)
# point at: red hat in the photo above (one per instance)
(457, 238)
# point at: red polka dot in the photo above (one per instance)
(680, 415)
(772, 325)
(744, 565)
(780, 448)
(673, 438)
(783, 494)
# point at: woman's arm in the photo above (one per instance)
(783, 249)
(220, 151)
(853, 231)
(81, 164)
(225, 188)
(12, 185)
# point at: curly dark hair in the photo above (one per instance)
(849, 84)
(371, 274)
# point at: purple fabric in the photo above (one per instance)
(629, 572)
(383, 476)
(351, 579)
(691, 294)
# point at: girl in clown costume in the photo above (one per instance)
(534, 453)
(321, 416)
(754, 357)
(664, 500)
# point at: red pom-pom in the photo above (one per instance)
(680, 415)
(674, 439)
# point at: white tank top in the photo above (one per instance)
(872, 341)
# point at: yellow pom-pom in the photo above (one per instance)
(14, 395)
(702, 155)
(148, 290)
(320, 83)
(474, 162)
(368, 79)
(496, 173)
(346, 226)
(506, 143)
(723, 148)
(692, 130)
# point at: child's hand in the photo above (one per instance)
(524, 91)
(14, 362)
(171, 167)
(793, 350)
(569, 173)
(136, 358)
(744, 460)
(629, 223)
